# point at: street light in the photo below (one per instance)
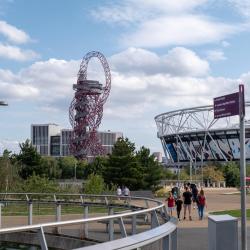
(75, 172)
(2, 103)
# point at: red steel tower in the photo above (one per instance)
(86, 109)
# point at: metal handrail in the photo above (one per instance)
(157, 208)
(79, 221)
(81, 195)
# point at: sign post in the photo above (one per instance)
(229, 105)
(242, 168)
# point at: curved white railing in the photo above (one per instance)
(165, 231)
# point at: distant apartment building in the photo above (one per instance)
(51, 140)
(41, 137)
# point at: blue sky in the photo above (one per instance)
(163, 55)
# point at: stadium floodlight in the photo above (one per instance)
(2, 103)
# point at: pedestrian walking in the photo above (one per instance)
(179, 203)
(118, 192)
(126, 191)
(201, 200)
(171, 204)
(187, 200)
(195, 192)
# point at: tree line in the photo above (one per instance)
(29, 171)
(124, 166)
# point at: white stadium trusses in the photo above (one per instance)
(193, 135)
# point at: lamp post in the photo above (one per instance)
(2, 103)
(75, 172)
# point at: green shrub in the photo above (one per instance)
(163, 192)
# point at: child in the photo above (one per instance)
(179, 203)
(170, 200)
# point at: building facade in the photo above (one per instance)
(51, 140)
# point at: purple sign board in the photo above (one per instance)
(227, 105)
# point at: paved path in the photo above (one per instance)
(193, 235)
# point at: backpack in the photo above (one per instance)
(201, 200)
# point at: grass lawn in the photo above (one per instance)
(234, 213)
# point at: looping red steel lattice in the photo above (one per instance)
(86, 109)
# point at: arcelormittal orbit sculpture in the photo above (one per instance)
(86, 109)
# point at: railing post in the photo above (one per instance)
(111, 224)
(166, 243)
(133, 224)
(1, 204)
(42, 239)
(165, 211)
(58, 215)
(154, 219)
(86, 226)
(122, 228)
(58, 211)
(173, 241)
(30, 212)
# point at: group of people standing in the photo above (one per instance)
(124, 191)
(190, 194)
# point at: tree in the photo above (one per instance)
(29, 160)
(152, 171)
(213, 174)
(96, 167)
(50, 167)
(67, 165)
(9, 179)
(232, 174)
(37, 184)
(183, 175)
(122, 167)
(81, 168)
(167, 174)
(94, 185)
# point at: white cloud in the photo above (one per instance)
(136, 60)
(131, 11)
(242, 6)
(225, 44)
(13, 34)
(47, 82)
(215, 55)
(178, 30)
(160, 23)
(183, 62)
(13, 87)
(12, 146)
(178, 62)
(154, 79)
(16, 53)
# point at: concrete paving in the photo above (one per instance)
(193, 235)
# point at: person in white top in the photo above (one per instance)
(126, 191)
(118, 191)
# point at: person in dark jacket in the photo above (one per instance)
(178, 204)
(187, 200)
